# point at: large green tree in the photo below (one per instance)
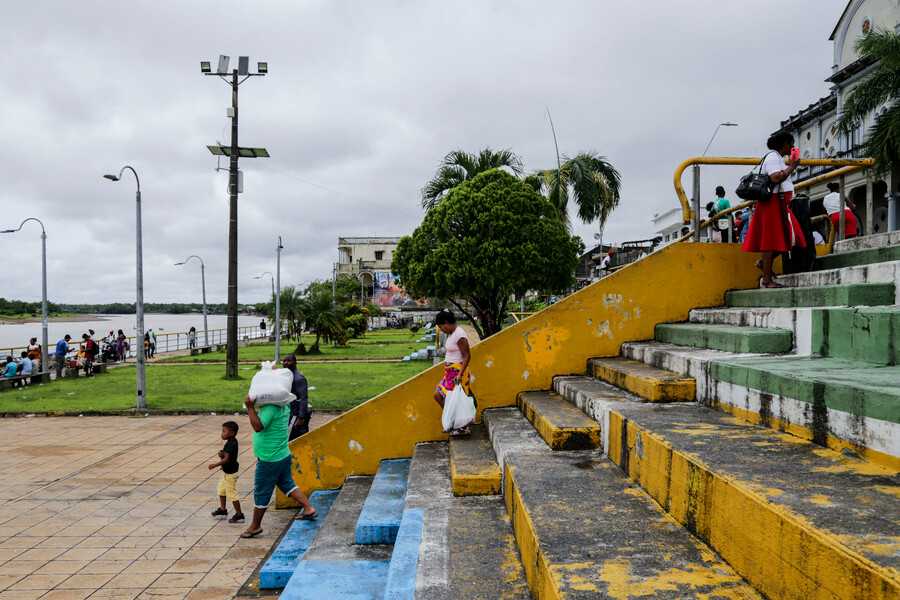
(591, 181)
(488, 239)
(881, 85)
(459, 166)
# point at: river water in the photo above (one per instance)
(170, 330)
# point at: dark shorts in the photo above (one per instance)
(268, 475)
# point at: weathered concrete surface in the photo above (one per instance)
(401, 577)
(870, 335)
(648, 382)
(347, 580)
(473, 467)
(336, 540)
(728, 338)
(878, 240)
(856, 294)
(795, 519)
(884, 272)
(382, 512)
(858, 257)
(798, 321)
(586, 532)
(562, 425)
(467, 548)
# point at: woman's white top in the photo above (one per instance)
(832, 202)
(454, 355)
(773, 163)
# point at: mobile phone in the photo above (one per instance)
(795, 153)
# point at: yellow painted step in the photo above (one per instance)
(650, 383)
(473, 467)
(562, 425)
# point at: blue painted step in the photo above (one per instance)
(330, 580)
(381, 514)
(401, 577)
(281, 565)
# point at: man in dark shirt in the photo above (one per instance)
(300, 412)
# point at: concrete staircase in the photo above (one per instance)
(752, 452)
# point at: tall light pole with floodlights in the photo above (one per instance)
(234, 152)
(139, 298)
(45, 349)
(203, 284)
(278, 250)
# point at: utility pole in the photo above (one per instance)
(234, 151)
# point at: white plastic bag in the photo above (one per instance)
(459, 409)
(272, 386)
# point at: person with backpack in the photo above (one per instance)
(91, 350)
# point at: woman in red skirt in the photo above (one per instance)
(773, 228)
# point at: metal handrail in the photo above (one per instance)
(850, 164)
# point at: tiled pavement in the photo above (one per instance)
(118, 508)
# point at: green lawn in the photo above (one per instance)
(202, 387)
(368, 347)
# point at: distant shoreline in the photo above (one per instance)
(70, 319)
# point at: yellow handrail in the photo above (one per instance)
(850, 164)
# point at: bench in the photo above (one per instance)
(200, 350)
(98, 368)
(6, 382)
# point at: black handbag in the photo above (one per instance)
(754, 185)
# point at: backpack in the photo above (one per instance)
(91, 348)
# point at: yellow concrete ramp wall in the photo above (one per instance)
(594, 322)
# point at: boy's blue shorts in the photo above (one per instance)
(268, 475)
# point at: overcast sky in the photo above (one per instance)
(362, 101)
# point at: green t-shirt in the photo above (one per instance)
(271, 444)
(722, 204)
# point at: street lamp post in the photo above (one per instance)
(139, 299)
(203, 283)
(234, 152)
(45, 348)
(273, 280)
(696, 190)
(278, 301)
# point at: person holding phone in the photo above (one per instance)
(773, 228)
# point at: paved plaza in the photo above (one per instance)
(119, 508)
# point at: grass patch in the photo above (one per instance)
(364, 348)
(204, 387)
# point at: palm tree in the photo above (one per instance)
(293, 310)
(323, 316)
(593, 181)
(879, 86)
(459, 166)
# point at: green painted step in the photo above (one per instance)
(585, 531)
(851, 294)
(473, 467)
(869, 335)
(650, 383)
(856, 388)
(729, 338)
(562, 425)
(857, 257)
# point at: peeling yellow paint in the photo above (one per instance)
(820, 499)
(842, 464)
(879, 545)
(623, 586)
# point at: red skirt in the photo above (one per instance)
(849, 222)
(767, 230)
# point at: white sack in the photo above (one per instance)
(272, 386)
(459, 409)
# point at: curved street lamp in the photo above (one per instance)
(273, 280)
(203, 283)
(45, 347)
(139, 300)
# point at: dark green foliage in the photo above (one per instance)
(488, 239)
(879, 86)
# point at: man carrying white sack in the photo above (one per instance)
(270, 445)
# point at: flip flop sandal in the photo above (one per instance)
(304, 517)
(770, 285)
(250, 534)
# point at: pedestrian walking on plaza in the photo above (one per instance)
(91, 350)
(300, 412)
(192, 338)
(227, 489)
(152, 344)
(273, 466)
(62, 348)
(121, 346)
(456, 361)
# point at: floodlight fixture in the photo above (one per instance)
(243, 65)
(262, 68)
(223, 64)
(205, 66)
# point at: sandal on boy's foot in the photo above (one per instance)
(771, 285)
(237, 518)
(250, 534)
(307, 517)
(220, 512)
(462, 431)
